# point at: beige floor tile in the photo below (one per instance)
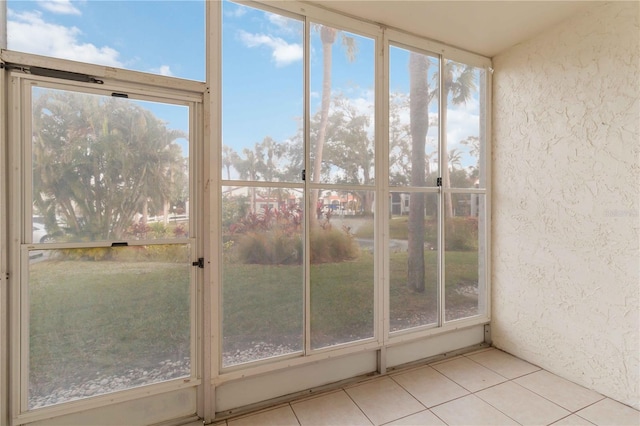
(470, 411)
(429, 386)
(502, 363)
(275, 417)
(468, 374)
(522, 405)
(335, 408)
(384, 400)
(423, 418)
(573, 420)
(556, 389)
(610, 412)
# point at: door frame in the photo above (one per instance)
(176, 398)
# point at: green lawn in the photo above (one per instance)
(106, 317)
(90, 317)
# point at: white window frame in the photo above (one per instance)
(225, 391)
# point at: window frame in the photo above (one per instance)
(389, 348)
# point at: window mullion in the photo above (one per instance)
(442, 191)
(308, 209)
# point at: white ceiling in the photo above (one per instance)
(483, 27)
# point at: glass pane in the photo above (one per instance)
(413, 260)
(413, 118)
(464, 116)
(342, 107)
(263, 101)
(465, 268)
(107, 319)
(107, 168)
(262, 276)
(136, 35)
(342, 270)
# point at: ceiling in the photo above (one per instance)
(483, 27)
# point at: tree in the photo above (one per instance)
(419, 98)
(399, 141)
(96, 160)
(459, 84)
(349, 147)
(229, 159)
(455, 159)
(328, 36)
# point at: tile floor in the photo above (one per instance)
(486, 387)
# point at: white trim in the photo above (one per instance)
(4, 282)
(236, 391)
(459, 55)
(205, 301)
(102, 72)
(261, 388)
(137, 92)
(382, 180)
(212, 294)
(20, 186)
(14, 199)
(308, 209)
(181, 394)
(319, 15)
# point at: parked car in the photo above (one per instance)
(40, 234)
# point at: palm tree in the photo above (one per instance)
(229, 158)
(455, 159)
(96, 160)
(248, 168)
(459, 84)
(418, 126)
(328, 37)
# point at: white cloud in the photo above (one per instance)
(28, 32)
(163, 70)
(282, 52)
(62, 7)
(238, 12)
(278, 20)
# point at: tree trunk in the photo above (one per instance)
(419, 125)
(446, 176)
(328, 37)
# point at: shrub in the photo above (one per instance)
(332, 245)
(461, 234)
(272, 247)
(273, 237)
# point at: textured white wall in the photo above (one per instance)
(566, 200)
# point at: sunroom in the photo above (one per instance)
(211, 207)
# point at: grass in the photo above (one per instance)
(105, 317)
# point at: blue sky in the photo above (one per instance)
(262, 59)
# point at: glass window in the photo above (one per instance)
(413, 118)
(107, 168)
(263, 278)
(342, 267)
(159, 37)
(413, 260)
(465, 253)
(262, 95)
(107, 319)
(342, 107)
(463, 117)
